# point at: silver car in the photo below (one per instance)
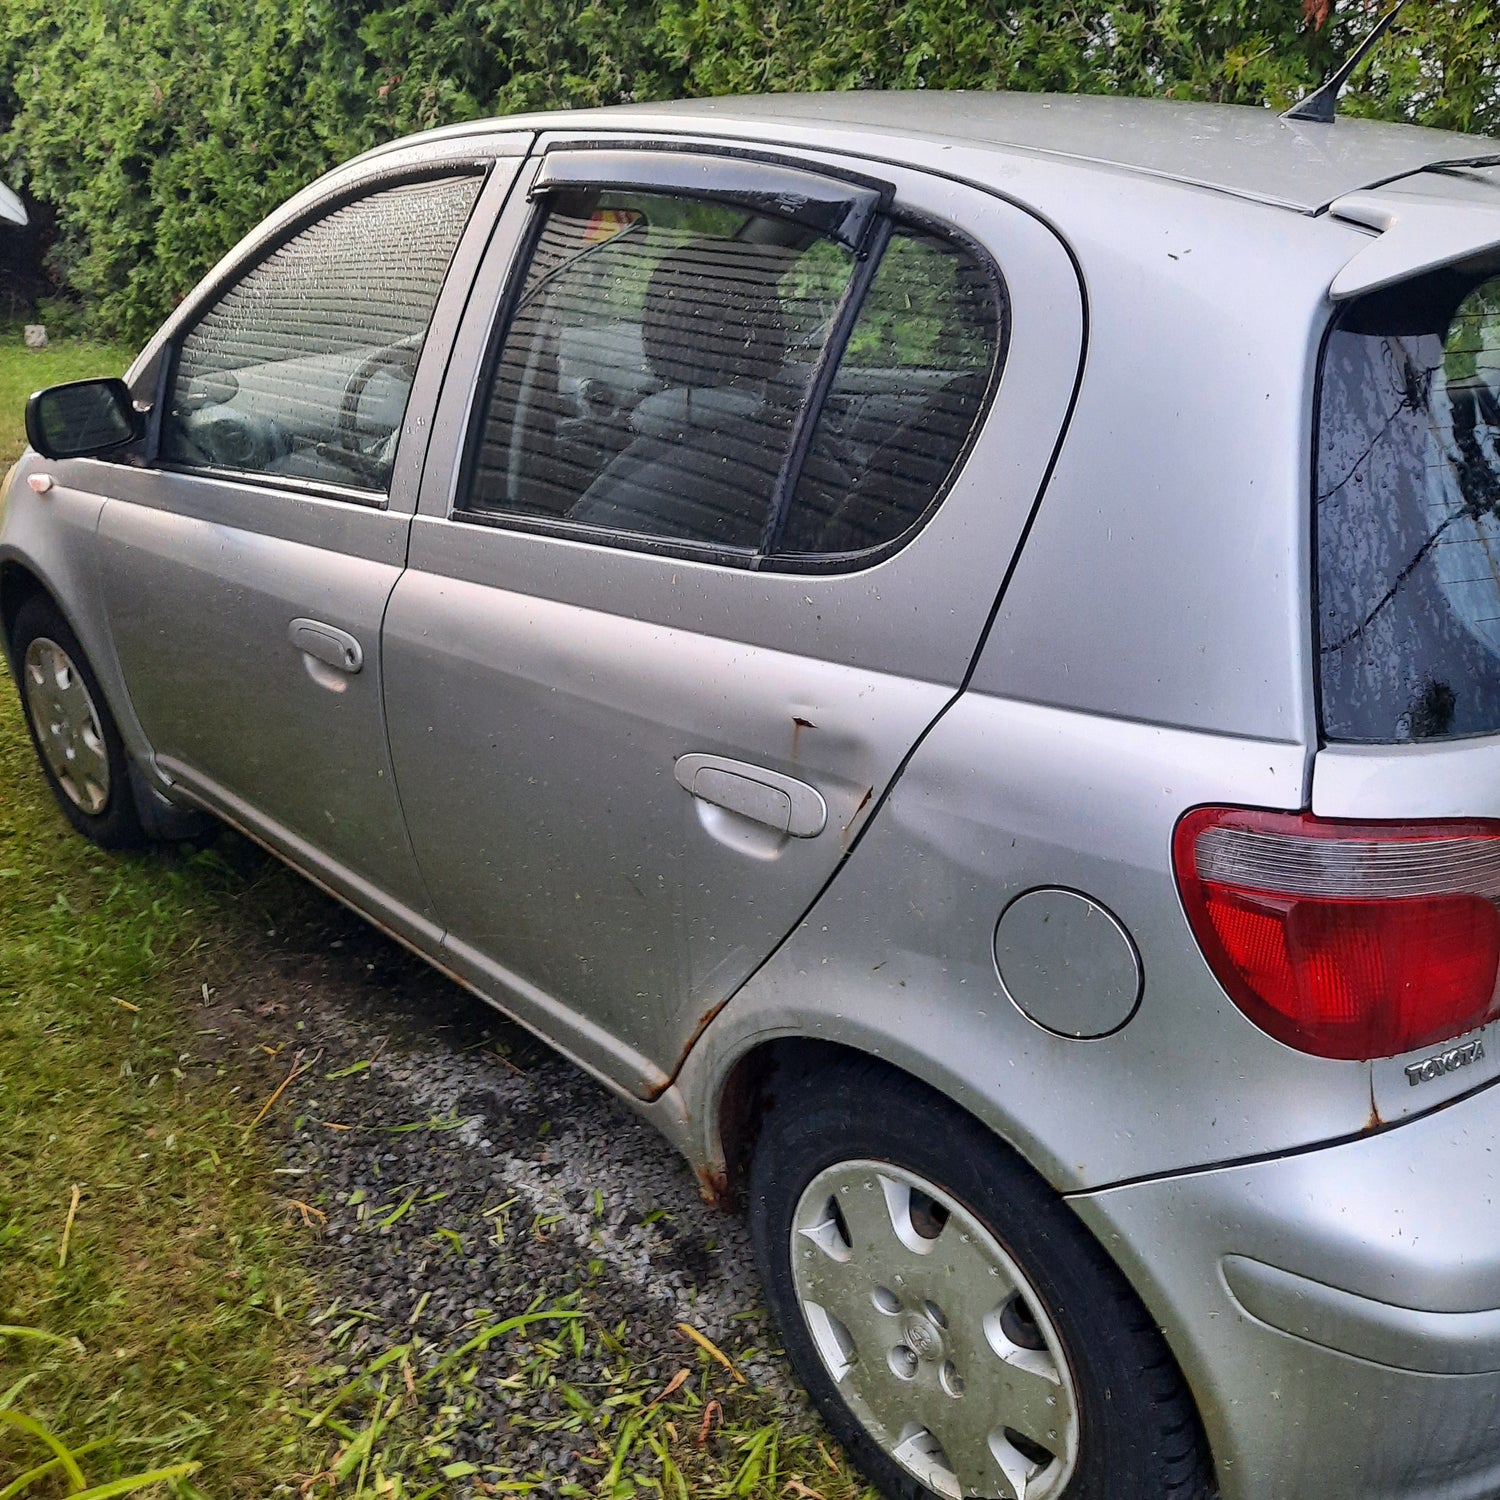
(945, 648)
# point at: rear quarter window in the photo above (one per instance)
(1407, 513)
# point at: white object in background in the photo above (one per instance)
(12, 210)
(36, 336)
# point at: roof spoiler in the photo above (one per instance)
(1416, 234)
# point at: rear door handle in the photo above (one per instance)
(781, 802)
(328, 644)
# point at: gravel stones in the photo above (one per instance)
(468, 1174)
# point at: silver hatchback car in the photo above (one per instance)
(947, 649)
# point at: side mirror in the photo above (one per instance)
(82, 418)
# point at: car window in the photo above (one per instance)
(908, 392)
(1408, 514)
(303, 368)
(653, 368)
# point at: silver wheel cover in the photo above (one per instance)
(67, 725)
(933, 1336)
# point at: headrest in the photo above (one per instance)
(712, 315)
(670, 413)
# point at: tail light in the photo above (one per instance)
(1348, 940)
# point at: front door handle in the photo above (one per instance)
(781, 802)
(328, 644)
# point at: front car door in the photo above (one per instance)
(712, 525)
(247, 570)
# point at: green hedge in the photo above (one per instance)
(159, 130)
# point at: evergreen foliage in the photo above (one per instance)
(158, 131)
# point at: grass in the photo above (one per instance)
(138, 1235)
(24, 370)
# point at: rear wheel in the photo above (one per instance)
(76, 739)
(960, 1330)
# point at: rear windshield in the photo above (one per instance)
(1408, 513)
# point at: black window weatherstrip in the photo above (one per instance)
(597, 536)
(843, 206)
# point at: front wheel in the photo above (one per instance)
(76, 740)
(960, 1330)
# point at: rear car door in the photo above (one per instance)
(712, 524)
(246, 572)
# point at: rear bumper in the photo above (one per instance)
(1337, 1312)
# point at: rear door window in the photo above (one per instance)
(1407, 514)
(656, 362)
(697, 376)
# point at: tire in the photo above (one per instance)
(72, 730)
(953, 1301)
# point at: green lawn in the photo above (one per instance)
(148, 1282)
(137, 1226)
(24, 370)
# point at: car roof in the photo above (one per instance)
(1248, 152)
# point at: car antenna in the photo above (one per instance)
(1322, 104)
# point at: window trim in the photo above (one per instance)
(323, 208)
(884, 226)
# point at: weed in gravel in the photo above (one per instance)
(391, 1415)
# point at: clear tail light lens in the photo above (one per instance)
(1347, 940)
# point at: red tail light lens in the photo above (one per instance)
(1348, 940)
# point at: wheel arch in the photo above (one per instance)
(19, 583)
(745, 1093)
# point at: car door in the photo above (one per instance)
(712, 525)
(246, 571)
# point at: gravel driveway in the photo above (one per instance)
(455, 1171)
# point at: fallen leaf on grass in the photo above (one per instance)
(298, 1069)
(712, 1410)
(62, 1254)
(674, 1384)
(712, 1349)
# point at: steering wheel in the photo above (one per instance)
(368, 454)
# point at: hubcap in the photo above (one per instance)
(933, 1335)
(66, 724)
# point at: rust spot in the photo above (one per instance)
(713, 1185)
(798, 725)
(864, 802)
(704, 1022)
(1374, 1122)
